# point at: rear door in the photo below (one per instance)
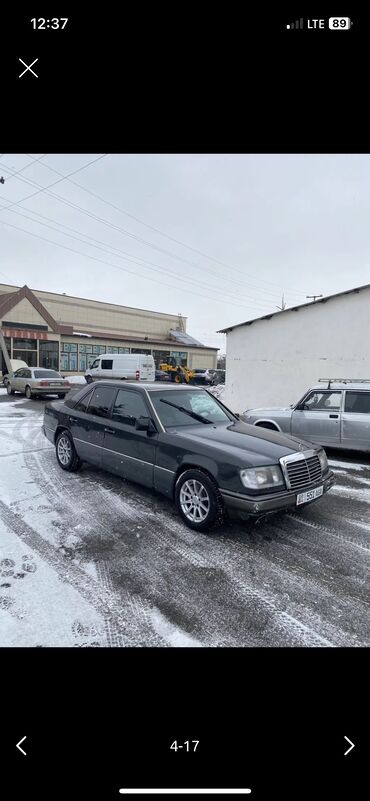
(147, 368)
(87, 422)
(356, 420)
(128, 452)
(24, 380)
(318, 417)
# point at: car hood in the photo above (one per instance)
(254, 446)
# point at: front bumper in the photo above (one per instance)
(239, 503)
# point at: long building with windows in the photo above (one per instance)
(66, 333)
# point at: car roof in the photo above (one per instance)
(144, 385)
(364, 387)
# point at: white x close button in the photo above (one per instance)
(28, 67)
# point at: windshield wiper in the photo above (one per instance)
(187, 411)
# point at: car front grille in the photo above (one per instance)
(302, 472)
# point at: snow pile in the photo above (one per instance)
(76, 379)
(218, 391)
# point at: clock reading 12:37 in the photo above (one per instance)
(56, 23)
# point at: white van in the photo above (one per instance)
(132, 366)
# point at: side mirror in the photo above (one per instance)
(237, 415)
(145, 424)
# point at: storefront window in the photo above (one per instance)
(124, 350)
(28, 356)
(25, 344)
(49, 355)
(68, 357)
(180, 356)
(141, 350)
(161, 357)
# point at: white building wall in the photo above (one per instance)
(272, 362)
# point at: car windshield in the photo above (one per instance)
(175, 407)
(46, 374)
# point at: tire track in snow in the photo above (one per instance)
(97, 595)
(137, 622)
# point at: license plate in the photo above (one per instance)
(310, 495)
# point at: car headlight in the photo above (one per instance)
(323, 461)
(262, 477)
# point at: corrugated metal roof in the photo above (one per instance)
(356, 290)
(185, 339)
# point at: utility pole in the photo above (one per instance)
(283, 304)
(314, 297)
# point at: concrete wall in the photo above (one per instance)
(204, 358)
(272, 362)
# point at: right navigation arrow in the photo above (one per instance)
(351, 745)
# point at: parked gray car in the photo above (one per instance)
(33, 381)
(333, 413)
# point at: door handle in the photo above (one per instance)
(335, 416)
(110, 430)
(73, 419)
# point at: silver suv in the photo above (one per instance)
(334, 413)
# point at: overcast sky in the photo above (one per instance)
(247, 228)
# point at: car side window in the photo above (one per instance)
(27, 373)
(82, 405)
(320, 401)
(106, 364)
(128, 406)
(94, 364)
(19, 373)
(357, 402)
(101, 401)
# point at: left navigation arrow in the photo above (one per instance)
(19, 745)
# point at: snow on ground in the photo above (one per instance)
(76, 379)
(87, 559)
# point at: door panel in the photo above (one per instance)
(318, 418)
(355, 429)
(128, 452)
(87, 422)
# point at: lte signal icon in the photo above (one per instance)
(297, 25)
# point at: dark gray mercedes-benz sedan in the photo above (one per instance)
(183, 442)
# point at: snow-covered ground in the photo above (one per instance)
(87, 559)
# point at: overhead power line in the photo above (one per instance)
(55, 182)
(157, 268)
(127, 256)
(158, 230)
(123, 269)
(111, 225)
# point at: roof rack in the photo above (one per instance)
(344, 381)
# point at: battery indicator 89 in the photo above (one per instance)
(339, 23)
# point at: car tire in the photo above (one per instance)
(66, 452)
(61, 394)
(9, 390)
(208, 509)
(28, 392)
